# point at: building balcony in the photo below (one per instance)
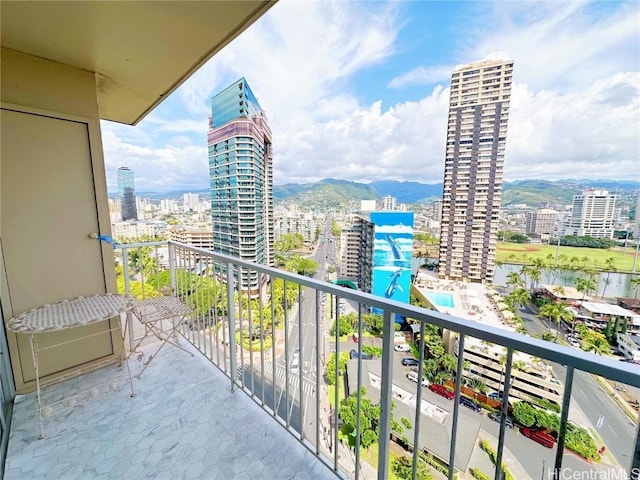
(255, 399)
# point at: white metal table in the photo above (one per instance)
(77, 312)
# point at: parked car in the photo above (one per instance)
(441, 390)
(573, 342)
(413, 376)
(355, 337)
(353, 354)
(496, 417)
(410, 362)
(402, 347)
(539, 436)
(472, 404)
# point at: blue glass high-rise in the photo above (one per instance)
(127, 194)
(241, 178)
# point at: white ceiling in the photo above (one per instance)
(140, 51)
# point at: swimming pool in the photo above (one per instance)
(440, 299)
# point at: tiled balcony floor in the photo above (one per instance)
(184, 422)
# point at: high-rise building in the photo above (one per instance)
(592, 214)
(356, 252)
(476, 138)
(241, 176)
(127, 194)
(542, 221)
(388, 203)
(636, 225)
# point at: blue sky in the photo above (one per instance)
(359, 91)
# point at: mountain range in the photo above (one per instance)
(334, 192)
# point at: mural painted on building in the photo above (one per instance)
(393, 243)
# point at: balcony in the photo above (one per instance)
(253, 380)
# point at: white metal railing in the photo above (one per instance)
(287, 376)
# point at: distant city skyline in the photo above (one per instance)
(359, 91)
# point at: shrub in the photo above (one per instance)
(546, 404)
(524, 414)
(486, 446)
(435, 465)
(580, 441)
(402, 467)
(479, 475)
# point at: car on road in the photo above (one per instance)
(409, 362)
(402, 347)
(441, 390)
(353, 354)
(413, 376)
(539, 436)
(295, 365)
(472, 404)
(355, 337)
(574, 342)
(496, 417)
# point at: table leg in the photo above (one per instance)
(123, 357)
(34, 354)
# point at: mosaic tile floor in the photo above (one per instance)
(183, 423)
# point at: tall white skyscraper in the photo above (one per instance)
(476, 139)
(593, 214)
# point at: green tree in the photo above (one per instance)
(524, 414)
(585, 285)
(548, 420)
(369, 419)
(514, 280)
(555, 312)
(610, 266)
(331, 367)
(374, 322)
(519, 297)
(402, 467)
(597, 343)
(288, 242)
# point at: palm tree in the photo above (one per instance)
(519, 297)
(635, 282)
(610, 265)
(597, 344)
(556, 312)
(514, 280)
(585, 285)
(535, 272)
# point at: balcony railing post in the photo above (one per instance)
(635, 463)
(564, 418)
(172, 266)
(127, 291)
(456, 408)
(231, 311)
(504, 409)
(385, 394)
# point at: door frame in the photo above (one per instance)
(106, 250)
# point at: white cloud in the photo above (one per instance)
(566, 45)
(299, 56)
(423, 75)
(574, 103)
(157, 169)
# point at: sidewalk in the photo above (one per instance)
(480, 459)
